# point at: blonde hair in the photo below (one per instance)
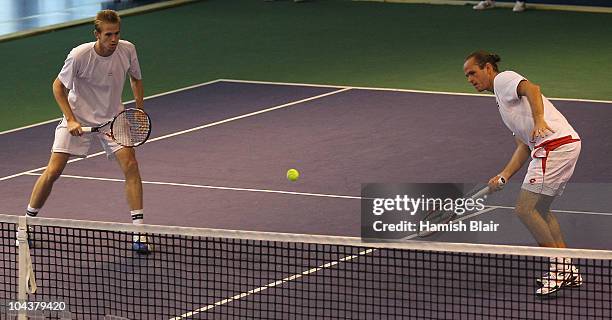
(106, 16)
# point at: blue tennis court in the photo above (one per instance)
(218, 156)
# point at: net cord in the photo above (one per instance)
(317, 239)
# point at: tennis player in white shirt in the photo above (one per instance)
(88, 91)
(543, 134)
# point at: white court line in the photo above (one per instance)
(209, 187)
(595, 213)
(250, 114)
(45, 167)
(196, 128)
(273, 284)
(30, 126)
(318, 86)
(188, 185)
(398, 90)
(127, 102)
(351, 87)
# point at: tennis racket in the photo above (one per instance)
(444, 217)
(130, 128)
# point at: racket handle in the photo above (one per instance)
(501, 182)
(87, 129)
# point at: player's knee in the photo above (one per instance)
(523, 211)
(131, 168)
(52, 174)
(549, 217)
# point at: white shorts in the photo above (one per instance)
(78, 146)
(549, 171)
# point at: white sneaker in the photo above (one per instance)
(483, 5)
(554, 283)
(519, 6)
(142, 244)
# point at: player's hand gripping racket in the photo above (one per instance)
(130, 128)
(444, 217)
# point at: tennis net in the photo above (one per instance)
(218, 274)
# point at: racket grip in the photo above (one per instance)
(86, 129)
(501, 182)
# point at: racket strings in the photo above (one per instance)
(131, 128)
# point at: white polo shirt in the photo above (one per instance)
(96, 82)
(516, 111)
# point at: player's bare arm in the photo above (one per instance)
(520, 155)
(534, 96)
(60, 92)
(138, 90)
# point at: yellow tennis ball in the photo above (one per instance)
(293, 174)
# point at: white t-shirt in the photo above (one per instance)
(96, 82)
(516, 111)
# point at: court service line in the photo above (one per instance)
(208, 187)
(322, 195)
(595, 213)
(127, 102)
(195, 128)
(399, 90)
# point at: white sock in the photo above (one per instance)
(137, 216)
(32, 212)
